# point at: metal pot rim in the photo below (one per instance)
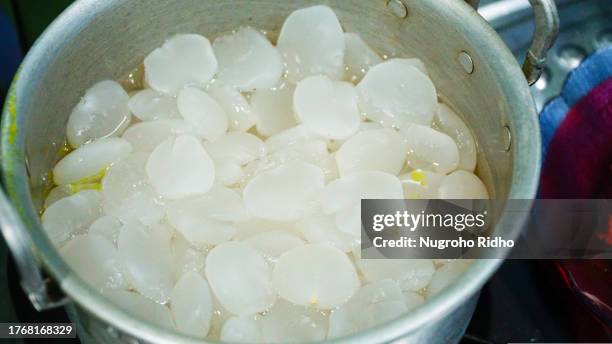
(526, 157)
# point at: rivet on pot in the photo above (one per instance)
(507, 138)
(397, 7)
(465, 60)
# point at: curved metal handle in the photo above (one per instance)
(40, 288)
(546, 30)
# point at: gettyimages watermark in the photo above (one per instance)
(514, 229)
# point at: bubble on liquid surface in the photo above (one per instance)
(203, 112)
(72, 215)
(240, 278)
(247, 60)
(90, 160)
(191, 305)
(180, 167)
(183, 60)
(317, 275)
(396, 93)
(103, 111)
(284, 193)
(372, 150)
(328, 108)
(312, 43)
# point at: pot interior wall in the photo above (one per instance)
(117, 39)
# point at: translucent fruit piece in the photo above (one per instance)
(273, 109)
(411, 274)
(141, 307)
(106, 226)
(180, 167)
(147, 258)
(102, 112)
(235, 105)
(240, 278)
(328, 108)
(247, 60)
(375, 303)
(206, 219)
(96, 260)
(321, 229)
(243, 329)
(145, 136)
(183, 60)
(284, 193)
(452, 125)
(430, 149)
(312, 43)
(349, 190)
(90, 160)
(421, 184)
(462, 185)
(239, 147)
(396, 93)
(289, 323)
(191, 305)
(72, 215)
(203, 113)
(274, 243)
(358, 57)
(317, 275)
(372, 150)
(150, 105)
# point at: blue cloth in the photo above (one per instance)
(593, 71)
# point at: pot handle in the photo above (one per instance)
(545, 33)
(40, 288)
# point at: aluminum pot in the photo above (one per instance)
(104, 39)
